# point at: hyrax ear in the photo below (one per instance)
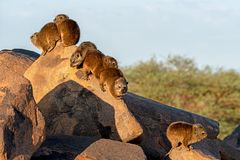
(195, 126)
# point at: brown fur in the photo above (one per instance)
(109, 62)
(68, 29)
(60, 18)
(92, 64)
(46, 38)
(79, 55)
(114, 79)
(95, 62)
(183, 133)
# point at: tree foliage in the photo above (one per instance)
(177, 81)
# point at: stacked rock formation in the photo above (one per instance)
(44, 97)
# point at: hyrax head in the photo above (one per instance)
(79, 55)
(87, 45)
(199, 132)
(120, 86)
(76, 59)
(34, 37)
(60, 18)
(35, 40)
(110, 62)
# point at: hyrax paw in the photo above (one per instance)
(103, 89)
(190, 148)
(81, 75)
(85, 77)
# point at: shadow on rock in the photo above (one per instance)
(70, 109)
(62, 147)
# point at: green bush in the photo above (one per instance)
(177, 81)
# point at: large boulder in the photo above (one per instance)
(51, 76)
(21, 123)
(104, 149)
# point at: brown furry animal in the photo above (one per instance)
(109, 62)
(95, 62)
(116, 82)
(183, 133)
(68, 29)
(46, 38)
(79, 55)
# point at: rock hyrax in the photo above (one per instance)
(110, 62)
(68, 30)
(80, 53)
(183, 133)
(95, 62)
(46, 38)
(116, 82)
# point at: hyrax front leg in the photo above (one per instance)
(44, 51)
(85, 74)
(52, 44)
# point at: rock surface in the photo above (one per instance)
(206, 149)
(21, 123)
(62, 147)
(228, 152)
(104, 149)
(53, 71)
(234, 138)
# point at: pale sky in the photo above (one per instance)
(132, 30)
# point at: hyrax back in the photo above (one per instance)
(183, 133)
(79, 55)
(46, 38)
(110, 62)
(68, 29)
(95, 62)
(116, 82)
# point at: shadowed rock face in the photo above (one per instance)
(21, 123)
(107, 149)
(29, 53)
(62, 147)
(70, 109)
(234, 138)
